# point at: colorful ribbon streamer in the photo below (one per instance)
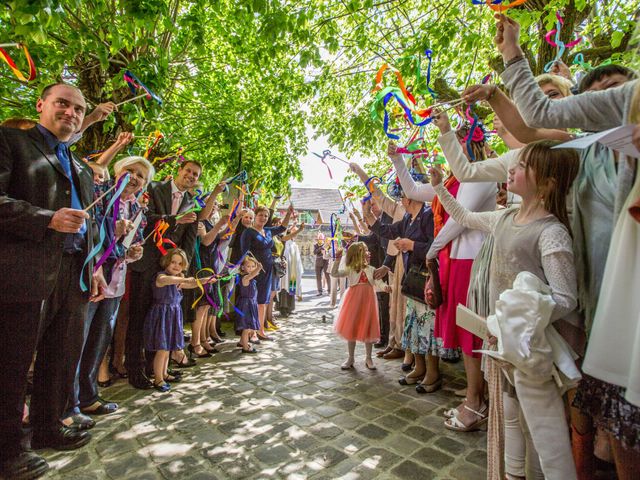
(201, 287)
(14, 68)
(473, 135)
(240, 176)
(322, 159)
(135, 83)
(497, 6)
(152, 141)
(159, 230)
(428, 52)
(113, 205)
(169, 157)
(557, 43)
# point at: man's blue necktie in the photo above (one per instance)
(62, 152)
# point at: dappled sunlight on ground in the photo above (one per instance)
(287, 412)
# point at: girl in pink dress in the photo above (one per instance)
(358, 317)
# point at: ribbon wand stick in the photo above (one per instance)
(103, 195)
(131, 99)
(7, 45)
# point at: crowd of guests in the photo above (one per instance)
(540, 243)
(101, 273)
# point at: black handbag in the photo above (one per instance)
(279, 266)
(414, 282)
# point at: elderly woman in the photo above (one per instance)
(258, 240)
(101, 316)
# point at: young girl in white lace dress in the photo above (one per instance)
(535, 238)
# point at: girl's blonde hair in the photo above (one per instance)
(166, 259)
(554, 172)
(248, 258)
(562, 84)
(357, 256)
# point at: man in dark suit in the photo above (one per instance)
(166, 201)
(45, 236)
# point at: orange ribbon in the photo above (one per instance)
(401, 84)
(501, 8)
(16, 71)
(159, 230)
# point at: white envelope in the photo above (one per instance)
(471, 321)
(618, 139)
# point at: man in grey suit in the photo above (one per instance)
(45, 236)
(166, 201)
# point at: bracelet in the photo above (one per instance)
(515, 59)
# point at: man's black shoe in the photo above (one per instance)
(25, 466)
(62, 439)
(140, 381)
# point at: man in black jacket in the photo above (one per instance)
(167, 200)
(45, 236)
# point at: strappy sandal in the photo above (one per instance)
(456, 425)
(452, 412)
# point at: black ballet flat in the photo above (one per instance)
(407, 367)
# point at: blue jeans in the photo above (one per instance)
(98, 332)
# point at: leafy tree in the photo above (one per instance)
(241, 80)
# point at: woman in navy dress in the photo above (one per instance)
(258, 240)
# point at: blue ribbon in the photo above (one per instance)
(132, 87)
(115, 200)
(242, 176)
(407, 112)
(476, 121)
(428, 52)
(561, 48)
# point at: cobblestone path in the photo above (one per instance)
(288, 412)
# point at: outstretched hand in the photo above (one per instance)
(477, 93)
(435, 175)
(507, 37)
(441, 120)
(392, 150)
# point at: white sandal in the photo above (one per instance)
(456, 425)
(348, 365)
(452, 412)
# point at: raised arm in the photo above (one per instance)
(471, 196)
(489, 170)
(387, 205)
(591, 111)
(116, 147)
(211, 201)
(287, 217)
(421, 192)
(294, 233)
(484, 221)
(505, 108)
(208, 238)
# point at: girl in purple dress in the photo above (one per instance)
(163, 331)
(247, 303)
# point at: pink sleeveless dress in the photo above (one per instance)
(358, 319)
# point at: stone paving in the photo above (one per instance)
(288, 412)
